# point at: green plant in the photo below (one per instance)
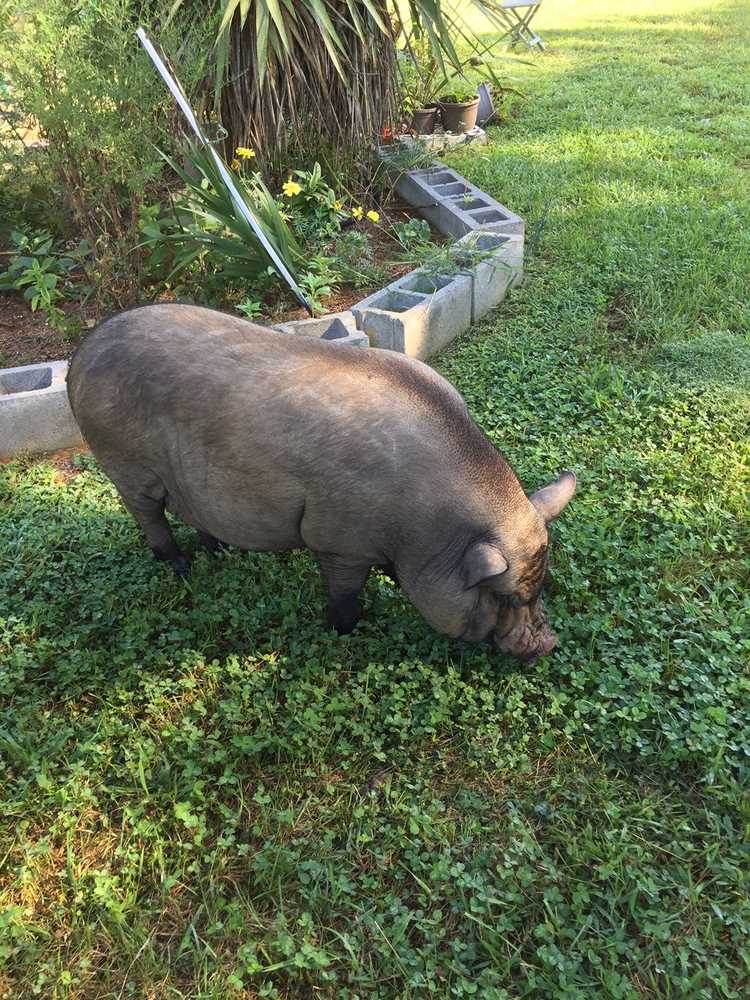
(422, 75)
(319, 279)
(41, 269)
(315, 210)
(354, 259)
(79, 77)
(207, 223)
(321, 74)
(250, 308)
(413, 235)
(459, 96)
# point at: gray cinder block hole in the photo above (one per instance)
(335, 331)
(433, 177)
(488, 241)
(25, 381)
(444, 190)
(469, 204)
(426, 283)
(393, 300)
(475, 244)
(490, 215)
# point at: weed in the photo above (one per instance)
(41, 269)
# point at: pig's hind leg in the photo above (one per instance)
(344, 580)
(145, 497)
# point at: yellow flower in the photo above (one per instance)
(338, 205)
(290, 188)
(373, 216)
(244, 153)
(235, 164)
(358, 213)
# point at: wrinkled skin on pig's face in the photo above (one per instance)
(525, 632)
(517, 621)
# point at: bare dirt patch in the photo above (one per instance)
(619, 313)
(26, 338)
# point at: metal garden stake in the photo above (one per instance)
(239, 202)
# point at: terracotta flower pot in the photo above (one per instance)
(423, 120)
(461, 117)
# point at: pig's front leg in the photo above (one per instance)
(344, 579)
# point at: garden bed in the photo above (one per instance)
(26, 337)
(385, 249)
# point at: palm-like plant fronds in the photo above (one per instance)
(317, 75)
(211, 222)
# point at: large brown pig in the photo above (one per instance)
(269, 441)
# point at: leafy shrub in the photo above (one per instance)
(207, 227)
(315, 209)
(319, 279)
(77, 70)
(413, 235)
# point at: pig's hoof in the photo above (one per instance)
(181, 566)
(345, 628)
(344, 615)
(176, 560)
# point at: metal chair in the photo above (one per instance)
(517, 15)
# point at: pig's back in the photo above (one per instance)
(222, 408)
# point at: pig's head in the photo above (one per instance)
(493, 591)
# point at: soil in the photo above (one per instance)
(62, 460)
(25, 338)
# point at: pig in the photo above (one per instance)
(269, 441)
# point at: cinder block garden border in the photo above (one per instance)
(421, 313)
(34, 411)
(418, 314)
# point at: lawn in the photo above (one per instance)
(205, 794)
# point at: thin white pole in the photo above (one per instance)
(239, 202)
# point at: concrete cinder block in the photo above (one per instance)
(319, 326)
(341, 328)
(436, 140)
(35, 414)
(453, 205)
(492, 276)
(419, 314)
(354, 339)
(389, 316)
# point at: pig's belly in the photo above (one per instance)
(262, 517)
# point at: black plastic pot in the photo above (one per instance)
(423, 120)
(459, 118)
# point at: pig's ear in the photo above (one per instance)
(551, 500)
(482, 563)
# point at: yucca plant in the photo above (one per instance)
(319, 77)
(211, 223)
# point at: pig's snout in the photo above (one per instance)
(529, 638)
(545, 644)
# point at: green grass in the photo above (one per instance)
(207, 795)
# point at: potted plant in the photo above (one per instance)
(460, 109)
(421, 82)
